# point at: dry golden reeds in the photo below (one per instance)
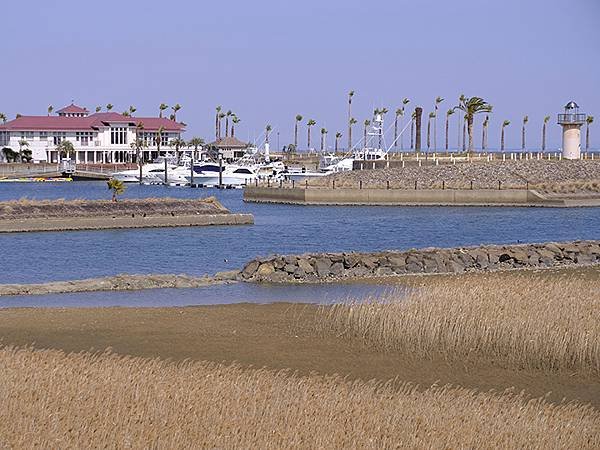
(519, 323)
(52, 400)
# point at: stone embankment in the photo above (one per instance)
(61, 215)
(339, 266)
(543, 175)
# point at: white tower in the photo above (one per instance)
(571, 122)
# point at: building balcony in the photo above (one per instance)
(571, 119)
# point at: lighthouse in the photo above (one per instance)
(571, 121)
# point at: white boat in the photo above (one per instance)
(151, 173)
(232, 175)
(329, 163)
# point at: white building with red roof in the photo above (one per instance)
(102, 137)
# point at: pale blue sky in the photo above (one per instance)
(269, 60)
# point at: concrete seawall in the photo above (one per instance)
(104, 223)
(447, 197)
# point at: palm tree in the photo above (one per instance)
(472, 106)
(460, 122)
(158, 138)
(448, 114)
(431, 116)
(138, 145)
(65, 148)
(175, 108)
(109, 107)
(132, 109)
(116, 186)
(309, 124)
(161, 108)
(3, 118)
(383, 112)
(588, 121)
(413, 117)
(504, 125)
(418, 114)
(399, 113)
(221, 116)
(217, 123)
(405, 101)
(234, 121)
(546, 119)
(50, 109)
(228, 114)
(268, 129)
(22, 143)
(338, 136)
(366, 123)
(98, 109)
(177, 143)
(125, 113)
(438, 100)
(298, 120)
(350, 95)
(351, 123)
(323, 134)
(195, 142)
(525, 120)
(484, 132)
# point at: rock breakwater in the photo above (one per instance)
(337, 266)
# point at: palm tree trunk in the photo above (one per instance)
(544, 137)
(349, 124)
(309, 137)
(217, 127)
(587, 137)
(396, 132)
(365, 136)
(464, 135)
(447, 124)
(523, 138)
(349, 137)
(502, 140)
(412, 134)
(435, 131)
(232, 130)
(296, 134)
(419, 112)
(402, 135)
(336, 144)
(226, 126)
(322, 137)
(428, 133)
(470, 131)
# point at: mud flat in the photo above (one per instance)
(122, 282)
(61, 215)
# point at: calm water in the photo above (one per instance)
(210, 295)
(39, 257)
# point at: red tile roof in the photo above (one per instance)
(91, 122)
(229, 142)
(72, 109)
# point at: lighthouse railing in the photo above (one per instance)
(571, 118)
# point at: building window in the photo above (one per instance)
(84, 137)
(58, 137)
(43, 135)
(118, 135)
(4, 137)
(27, 135)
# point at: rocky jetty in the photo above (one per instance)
(543, 175)
(338, 266)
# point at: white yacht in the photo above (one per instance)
(151, 173)
(329, 163)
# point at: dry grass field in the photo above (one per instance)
(498, 360)
(53, 400)
(525, 323)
